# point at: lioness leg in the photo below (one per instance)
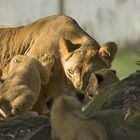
(48, 63)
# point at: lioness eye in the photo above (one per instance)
(71, 71)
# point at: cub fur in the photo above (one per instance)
(21, 89)
(69, 123)
(100, 79)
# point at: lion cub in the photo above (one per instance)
(99, 79)
(68, 121)
(21, 89)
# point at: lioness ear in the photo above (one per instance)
(108, 51)
(49, 102)
(66, 46)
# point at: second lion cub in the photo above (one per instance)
(21, 89)
(68, 121)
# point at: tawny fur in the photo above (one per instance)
(99, 79)
(69, 123)
(22, 87)
(76, 53)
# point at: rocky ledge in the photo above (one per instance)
(117, 106)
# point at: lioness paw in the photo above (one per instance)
(48, 60)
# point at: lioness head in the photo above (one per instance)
(79, 61)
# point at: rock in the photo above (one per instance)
(25, 128)
(117, 106)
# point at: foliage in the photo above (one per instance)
(138, 61)
(124, 62)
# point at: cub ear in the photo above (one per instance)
(80, 96)
(99, 78)
(66, 46)
(114, 72)
(49, 102)
(108, 51)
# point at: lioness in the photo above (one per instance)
(76, 53)
(69, 123)
(21, 89)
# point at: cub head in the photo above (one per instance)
(80, 60)
(100, 79)
(16, 61)
(66, 102)
(22, 61)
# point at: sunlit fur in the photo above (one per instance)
(62, 37)
(99, 79)
(21, 89)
